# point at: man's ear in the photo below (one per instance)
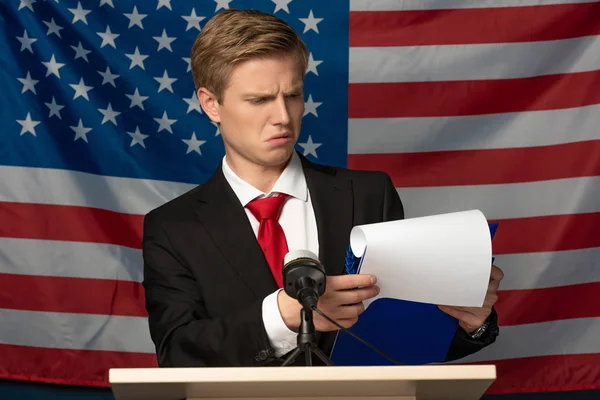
(209, 103)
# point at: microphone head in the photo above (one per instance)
(300, 253)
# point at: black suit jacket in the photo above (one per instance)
(205, 276)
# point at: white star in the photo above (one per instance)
(108, 2)
(53, 28)
(81, 90)
(218, 132)
(26, 41)
(312, 65)
(188, 61)
(80, 131)
(137, 137)
(193, 20)
(310, 23)
(79, 14)
(165, 82)
(136, 59)
(53, 67)
(54, 108)
(165, 123)
(281, 5)
(222, 4)
(26, 3)
(109, 115)
(164, 3)
(164, 42)
(136, 99)
(193, 103)
(311, 107)
(107, 77)
(28, 125)
(80, 52)
(108, 37)
(28, 83)
(135, 18)
(193, 144)
(310, 147)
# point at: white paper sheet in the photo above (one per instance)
(440, 259)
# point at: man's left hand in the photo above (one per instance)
(471, 318)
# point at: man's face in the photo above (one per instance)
(262, 111)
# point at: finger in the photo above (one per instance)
(354, 296)
(493, 287)
(344, 282)
(466, 317)
(497, 274)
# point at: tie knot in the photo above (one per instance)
(268, 207)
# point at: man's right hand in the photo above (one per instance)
(342, 302)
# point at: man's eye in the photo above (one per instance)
(258, 101)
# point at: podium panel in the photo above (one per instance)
(431, 382)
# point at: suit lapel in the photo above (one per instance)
(223, 217)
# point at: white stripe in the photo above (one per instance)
(62, 187)
(572, 336)
(503, 201)
(549, 269)
(70, 259)
(490, 131)
(473, 61)
(399, 5)
(75, 331)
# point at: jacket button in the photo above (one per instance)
(261, 356)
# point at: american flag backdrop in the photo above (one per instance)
(488, 104)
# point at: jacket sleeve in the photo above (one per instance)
(183, 333)
(462, 344)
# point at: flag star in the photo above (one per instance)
(165, 82)
(26, 3)
(193, 20)
(218, 132)
(222, 4)
(165, 123)
(108, 77)
(80, 131)
(310, 147)
(136, 99)
(188, 61)
(79, 14)
(80, 52)
(137, 59)
(193, 103)
(164, 3)
(53, 67)
(108, 37)
(109, 114)
(137, 137)
(26, 41)
(53, 28)
(164, 42)
(81, 90)
(310, 23)
(54, 108)
(312, 65)
(310, 107)
(107, 2)
(135, 18)
(28, 125)
(193, 144)
(281, 5)
(28, 83)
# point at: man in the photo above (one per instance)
(213, 256)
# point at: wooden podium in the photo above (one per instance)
(431, 382)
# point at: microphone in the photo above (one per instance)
(304, 277)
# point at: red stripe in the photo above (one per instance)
(485, 166)
(70, 223)
(547, 233)
(473, 97)
(516, 307)
(72, 295)
(69, 367)
(546, 374)
(481, 25)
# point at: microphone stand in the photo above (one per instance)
(307, 341)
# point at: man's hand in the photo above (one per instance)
(471, 318)
(342, 302)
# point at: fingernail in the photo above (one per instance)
(373, 280)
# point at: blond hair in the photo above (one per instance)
(233, 36)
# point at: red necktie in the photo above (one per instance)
(271, 237)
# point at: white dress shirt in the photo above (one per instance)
(298, 221)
